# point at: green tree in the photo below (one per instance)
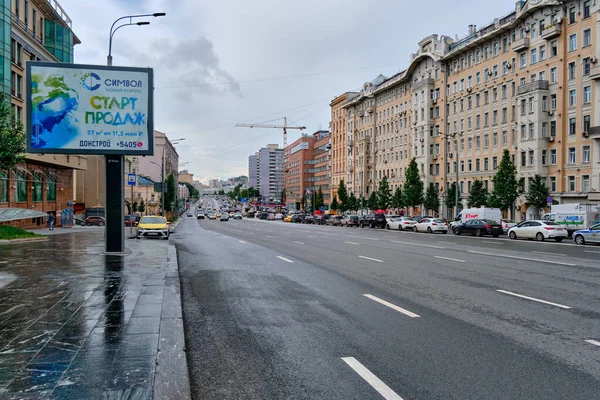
(319, 201)
(334, 203)
(384, 194)
(451, 196)
(479, 195)
(142, 206)
(342, 194)
(353, 203)
(170, 192)
(413, 185)
(432, 199)
(362, 202)
(397, 199)
(373, 201)
(538, 193)
(12, 137)
(134, 206)
(506, 185)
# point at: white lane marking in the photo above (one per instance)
(492, 242)
(521, 258)
(533, 299)
(352, 243)
(451, 259)
(376, 383)
(326, 233)
(547, 253)
(591, 251)
(287, 233)
(440, 241)
(418, 244)
(362, 237)
(392, 306)
(312, 237)
(298, 242)
(269, 236)
(285, 259)
(241, 241)
(369, 258)
(594, 342)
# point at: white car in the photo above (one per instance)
(507, 224)
(278, 217)
(431, 225)
(538, 230)
(402, 223)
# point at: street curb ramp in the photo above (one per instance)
(171, 379)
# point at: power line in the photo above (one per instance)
(276, 78)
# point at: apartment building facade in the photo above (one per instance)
(253, 171)
(342, 160)
(527, 82)
(36, 30)
(270, 172)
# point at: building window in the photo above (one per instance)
(496, 48)
(573, 42)
(553, 184)
(533, 56)
(553, 160)
(552, 128)
(572, 15)
(554, 48)
(495, 163)
(3, 187)
(51, 189)
(486, 164)
(587, 38)
(586, 154)
(523, 159)
(478, 78)
(21, 187)
(586, 9)
(495, 139)
(553, 102)
(572, 97)
(523, 57)
(585, 183)
(587, 95)
(571, 180)
(572, 126)
(544, 152)
(36, 192)
(572, 155)
(586, 123)
(531, 131)
(542, 52)
(553, 75)
(571, 70)
(531, 104)
(531, 157)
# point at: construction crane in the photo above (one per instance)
(285, 127)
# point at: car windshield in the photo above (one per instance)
(152, 220)
(439, 221)
(551, 223)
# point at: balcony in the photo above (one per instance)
(595, 73)
(595, 132)
(533, 86)
(423, 82)
(550, 32)
(520, 44)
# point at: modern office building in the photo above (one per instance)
(35, 30)
(253, 169)
(270, 172)
(528, 82)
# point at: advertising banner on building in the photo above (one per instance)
(89, 109)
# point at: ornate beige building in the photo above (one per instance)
(527, 82)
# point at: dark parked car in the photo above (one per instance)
(308, 219)
(335, 220)
(479, 227)
(131, 220)
(94, 221)
(324, 218)
(263, 215)
(298, 218)
(374, 221)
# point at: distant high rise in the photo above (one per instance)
(265, 172)
(253, 171)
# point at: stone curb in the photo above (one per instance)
(171, 379)
(24, 240)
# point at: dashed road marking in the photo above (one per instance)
(534, 299)
(353, 243)
(372, 259)
(285, 259)
(594, 342)
(450, 259)
(521, 258)
(376, 383)
(295, 241)
(418, 244)
(362, 237)
(392, 306)
(241, 241)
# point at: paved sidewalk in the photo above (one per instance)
(78, 324)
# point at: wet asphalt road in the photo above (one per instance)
(271, 310)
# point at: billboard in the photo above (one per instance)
(89, 109)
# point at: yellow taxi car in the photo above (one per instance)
(288, 218)
(218, 215)
(152, 226)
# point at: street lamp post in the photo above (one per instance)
(162, 174)
(115, 168)
(455, 139)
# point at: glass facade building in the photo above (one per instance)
(5, 46)
(59, 41)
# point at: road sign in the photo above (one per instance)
(131, 179)
(243, 200)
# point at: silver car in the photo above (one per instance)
(584, 236)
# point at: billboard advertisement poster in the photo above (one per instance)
(89, 109)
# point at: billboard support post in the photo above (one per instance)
(115, 231)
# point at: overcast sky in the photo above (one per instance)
(218, 63)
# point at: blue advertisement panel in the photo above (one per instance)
(89, 109)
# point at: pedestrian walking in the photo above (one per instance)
(51, 220)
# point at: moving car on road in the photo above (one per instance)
(152, 226)
(538, 230)
(237, 216)
(591, 235)
(94, 221)
(431, 225)
(224, 217)
(478, 227)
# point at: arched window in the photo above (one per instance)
(51, 192)
(3, 187)
(36, 192)
(21, 186)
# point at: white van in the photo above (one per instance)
(493, 214)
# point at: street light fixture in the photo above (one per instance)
(130, 17)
